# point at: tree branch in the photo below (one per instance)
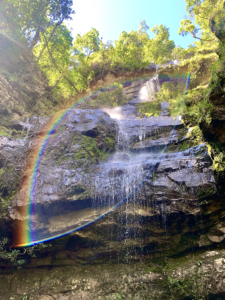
(57, 81)
(35, 39)
(195, 37)
(203, 18)
(56, 25)
(55, 65)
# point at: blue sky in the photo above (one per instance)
(111, 17)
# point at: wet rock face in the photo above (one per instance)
(154, 143)
(165, 173)
(150, 126)
(160, 203)
(84, 138)
(75, 187)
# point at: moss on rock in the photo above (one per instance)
(204, 193)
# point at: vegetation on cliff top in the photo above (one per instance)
(70, 66)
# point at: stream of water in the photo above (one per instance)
(127, 169)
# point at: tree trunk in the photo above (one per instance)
(56, 25)
(35, 39)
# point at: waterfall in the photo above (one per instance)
(151, 87)
(124, 172)
(130, 164)
(121, 176)
(123, 140)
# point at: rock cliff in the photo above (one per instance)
(146, 199)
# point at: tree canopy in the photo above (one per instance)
(26, 19)
(200, 13)
(70, 65)
(159, 50)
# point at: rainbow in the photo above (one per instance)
(24, 234)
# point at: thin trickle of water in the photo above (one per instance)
(149, 90)
(153, 86)
(123, 140)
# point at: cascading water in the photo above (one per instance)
(149, 90)
(129, 165)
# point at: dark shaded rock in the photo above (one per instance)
(135, 101)
(163, 78)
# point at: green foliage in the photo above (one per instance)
(186, 27)
(205, 193)
(9, 185)
(174, 94)
(216, 151)
(200, 11)
(194, 286)
(176, 105)
(150, 108)
(25, 20)
(70, 67)
(129, 51)
(184, 146)
(178, 53)
(170, 91)
(153, 176)
(143, 27)
(116, 296)
(88, 43)
(110, 98)
(13, 255)
(89, 151)
(198, 107)
(132, 51)
(10, 76)
(219, 162)
(38, 24)
(55, 59)
(159, 50)
(83, 54)
(217, 23)
(4, 131)
(199, 60)
(195, 135)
